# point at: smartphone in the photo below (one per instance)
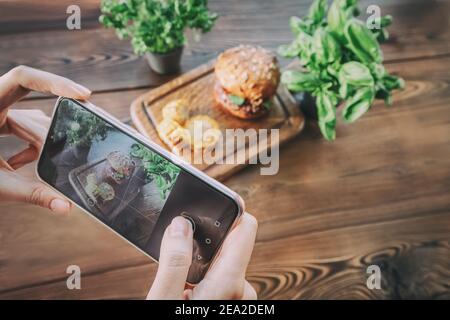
(132, 185)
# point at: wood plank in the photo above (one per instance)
(117, 103)
(380, 190)
(98, 60)
(29, 15)
(315, 268)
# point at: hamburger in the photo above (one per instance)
(247, 78)
(102, 192)
(118, 167)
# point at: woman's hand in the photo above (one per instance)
(226, 277)
(30, 126)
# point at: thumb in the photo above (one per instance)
(43, 196)
(15, 187)
(174, 261)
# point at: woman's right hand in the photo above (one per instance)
(224, 280)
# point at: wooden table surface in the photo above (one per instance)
(380, 194)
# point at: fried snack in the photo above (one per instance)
(166, 127)
(106, 191)
(204, 131)
(176, 110)
(91, 178)
(173, 134)
(180, 137)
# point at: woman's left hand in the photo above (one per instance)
(30, 126)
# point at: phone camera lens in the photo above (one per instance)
(208, 241)
(217, 224)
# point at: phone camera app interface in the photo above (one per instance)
(129, 187)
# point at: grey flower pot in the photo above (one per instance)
(167, 63)
(307, 104)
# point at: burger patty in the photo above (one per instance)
(244, 111)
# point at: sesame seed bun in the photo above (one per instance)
(248, 72)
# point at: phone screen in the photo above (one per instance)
(130, 187)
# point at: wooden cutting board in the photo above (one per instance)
(124, 193)
(196, 87)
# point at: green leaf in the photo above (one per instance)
(326, 47)
(326, 113)
(328, 129)
(154, 25)
(339, 13)
(336, 18)
(358, 104)
(362, 42)
(298, 81)
(343, 89)
(392, 82)
(236, 100)
(289, 50)
(384, 94)
(267, 104)
(317, 10)
(355, 74)
(296, 25)
(386, 21)
(326, 106)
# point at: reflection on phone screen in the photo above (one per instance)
(130, 187)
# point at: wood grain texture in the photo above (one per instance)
(28, 15)
(378, 194)
(196, 88)
(95, 57)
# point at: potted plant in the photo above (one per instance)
(341, 60)
(158, 170)
(156, 27)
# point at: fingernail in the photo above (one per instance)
(179, 227)
(83, 90)
(60, 206)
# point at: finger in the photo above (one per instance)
(187, 294)
(3, 128)
(4, 164)
(174, 261)
(19, 81)
(24, 157)
(30, 191)
(249, 292)
(29, 125)
(236, 251)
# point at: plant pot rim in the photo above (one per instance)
(174, 51)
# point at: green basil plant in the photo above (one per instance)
(156, 26)
(342, 61)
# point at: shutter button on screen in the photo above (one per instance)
(185, 215)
